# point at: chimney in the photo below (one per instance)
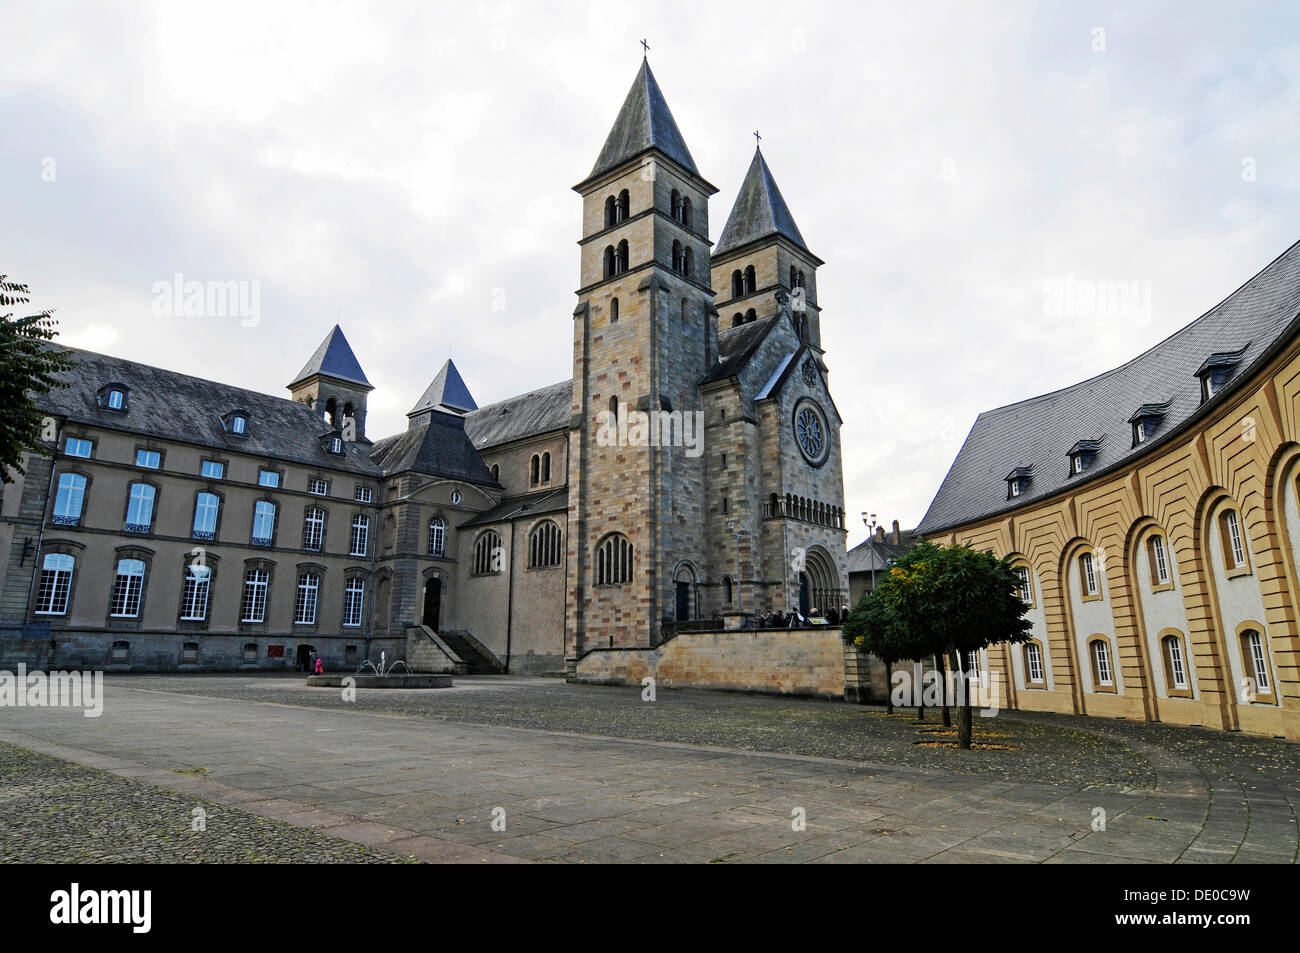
(880, 533)
(898, 538)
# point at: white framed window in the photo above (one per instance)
(139, 508)
(313, 529)
(973, 663)
(1177, 666)
(127, 588)
(268, 478)
(76, 447)
(263, 523)
(1034, 662)
(318, 486)
(206, 508)
(1159, 561)
(55, 585)
(1089, 574)
(194, 593)
(149, 459)
(1235, 548)
(360, 539)
(116, 399)
(304, 607)
(1256, 660)
(69, 498)
(1026, 587)
(256, 583)
(437, 536)
(1101, 662)
(212, 469)
(238, 424)
(364, 494)
(354, 597)
(1015, 487)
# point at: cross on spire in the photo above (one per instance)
(757, 139)
(645, 52)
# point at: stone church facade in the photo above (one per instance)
(182, 523)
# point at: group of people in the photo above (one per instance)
(794, 619)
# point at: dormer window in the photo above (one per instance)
(1147, 420)
(1217, 370)
(332, 443)
(1018, 481)
(236, 422)
(1082, 455)
(114, 397)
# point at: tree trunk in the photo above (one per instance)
(964, 715)
(918, 689)
(942, 665)
(889, 688)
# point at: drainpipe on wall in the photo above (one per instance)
(510, 597)
(40, 541)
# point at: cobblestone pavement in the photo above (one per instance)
(53, 811)
(427, 772)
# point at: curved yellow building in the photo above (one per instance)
(1154, 513)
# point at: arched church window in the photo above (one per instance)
(624, 205)
(737, 284)
(688, 212)
(613, 560)
(622, 256)
(544, 545)
(535, 470)
(488, 554)
(613, 310)
(678, 265)
(546, 468)
(610, 262)
(688, 263)
(611, 212)
(751, 315)
(676, 203)
(751, 280)
(737, 320)
(437, 536)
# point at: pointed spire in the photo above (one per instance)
(447, 393)
(645, 122)
(334, 358)
(760, 211)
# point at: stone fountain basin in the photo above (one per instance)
(380, 681)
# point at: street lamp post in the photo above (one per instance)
(869, 521)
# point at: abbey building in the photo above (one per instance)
(183, 523)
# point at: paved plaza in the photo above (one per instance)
(509, 770)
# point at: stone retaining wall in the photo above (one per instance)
(805, 662)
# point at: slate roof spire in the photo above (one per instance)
(760, 211)
(645, 122)
(447, 393)
(334, 358)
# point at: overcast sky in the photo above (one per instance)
(400, 167)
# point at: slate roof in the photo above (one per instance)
(437, 445)
(447, 390)
(760, 212)
(1257, 318)
(737, 345)
(172, 406)
(333, 358)
(529, 505)
(878, 554)
(525, 415)
(644, 122)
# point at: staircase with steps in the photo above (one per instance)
(478, 660)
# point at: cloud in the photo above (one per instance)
(405, 169)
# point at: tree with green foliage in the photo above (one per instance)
(29, 367)
(942, 599)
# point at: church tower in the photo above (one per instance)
(333, 384)
(761, 263)
(644, 335)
